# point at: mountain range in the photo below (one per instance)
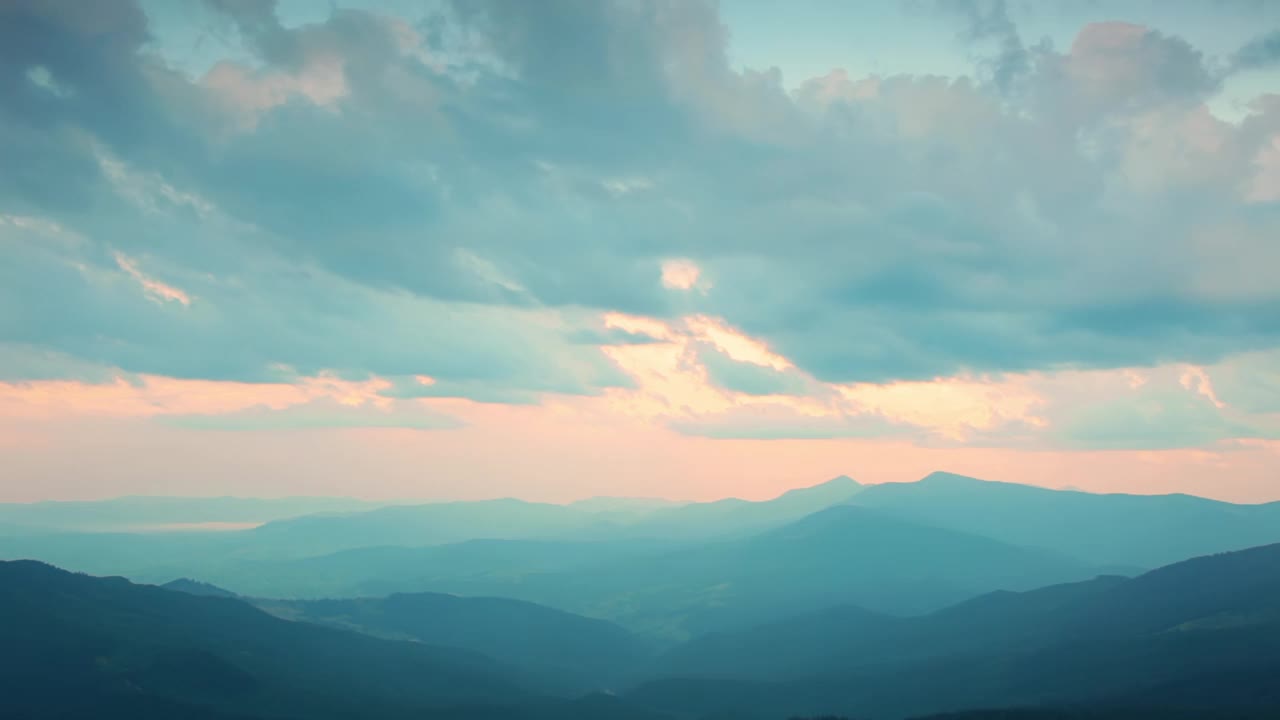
(1116, 529)
(1203, 634)
(888, 601)
(571, 653)
(1200, 638)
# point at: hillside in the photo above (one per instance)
(562, 650)
(195, 587)
(79, 646)
(734, 516)
(473, 567)
(843, 554)
(1122, 531)
(1197, 634)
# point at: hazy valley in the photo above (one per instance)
(885, 601)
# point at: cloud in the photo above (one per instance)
(683, 275)
(1157, 421)
(271, 321)
(1261, 52)
(1118, 67)
(1170, 408)
(425, 387)
(155, 289)
(990, 21)
(315, 415)
(749, 378)
(464, 195)
(783, 423)
(1250, 383)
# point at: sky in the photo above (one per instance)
(552, 250)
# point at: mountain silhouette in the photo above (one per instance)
(76, 646)
(1197, 635)
(1122, 531)
(195, 587)
(733, 516)
(843, 554)
(571, 653)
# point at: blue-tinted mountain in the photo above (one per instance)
(629, 505)
(563, 650)
(415, 525)
(474, 567)
(488, 545)
(510, 519)
(1125, 531)
(1198, 636)
(75, 646)
(848, 636)
(145, 513)
(843, 554)
(195, 587)
(735, 517)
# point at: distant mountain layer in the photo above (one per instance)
(839, 555)
(1121, 534)
(221, 556)
(672, 573)
(1201, 635)
(843, 554)
(474, 567)
(732, 516)
(508, 519)
(195, 587)
(141, 513)
(622, 504)
(1123, 530)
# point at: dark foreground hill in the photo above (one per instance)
(572, 653)
(74, 646)
(1200, 636)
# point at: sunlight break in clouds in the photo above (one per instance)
(683, 275)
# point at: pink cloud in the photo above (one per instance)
(156, 290)
(680, 274)
(1116, 63)
(152, 395)
(248, 94)
(628, 440)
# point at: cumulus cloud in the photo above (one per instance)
(464, 195)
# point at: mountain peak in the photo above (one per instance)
(831, 492)
(195, 587)
(836, 485)
(836, 491)
(939, 476)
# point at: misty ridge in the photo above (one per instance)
(949, 595)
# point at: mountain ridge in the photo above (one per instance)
(1050, 647)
